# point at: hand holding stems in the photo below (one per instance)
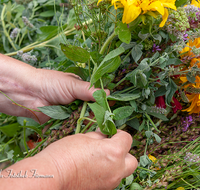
(32, 88)
(81, 161)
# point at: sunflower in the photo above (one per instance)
(194, 98)
(187, 51)
(133, 8)
(196, 3)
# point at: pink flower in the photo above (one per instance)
(160, 102)
(175, 105)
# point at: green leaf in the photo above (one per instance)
(135, 186)
(157, 37)
(178, 3)
(172, 37)
(133, 76)
(134, 123)
(107, 67)
(113, 54)
(135, 143)
(55, 112)
(173, 61)
(190, 77)
(158, 139)
(161, 91)
(142, 125)
(10, 130)
(155, 114)
(129, 179)
(143, 78)
(136, 52)
(10, 154)
(81, 72)
(144, 160)
(47, 14)
(124, 97)
(123, 33)
(75, 53)
(148, 134)
(122, 112)
(29, 121)
(47, 32)
(100, 97)
(108, 128)
(134, 105)
(171, 89)
(143, 36)
(127, 46)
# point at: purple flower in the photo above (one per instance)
(185, 35)
(156, 48)
(186, 123)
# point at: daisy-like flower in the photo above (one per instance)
(187, 52)
(194, 98)
(134, 8)
(196, 3)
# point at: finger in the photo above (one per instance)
(81, 90)
(96, 135)
(131, 164)
(74, 75)
(123, 140)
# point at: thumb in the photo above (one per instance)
(81, 90)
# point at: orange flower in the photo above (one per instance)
(193, 97)
(188, 51)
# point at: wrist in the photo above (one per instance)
(30, 173)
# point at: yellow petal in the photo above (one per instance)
(184, 79)
(152, 158)
(169, 5)
(99, 1)
(151, 13)
(155, 6)
(195, 3)
(164, 18)
(129, 15)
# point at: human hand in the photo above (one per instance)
(91, 161)
(32, 88)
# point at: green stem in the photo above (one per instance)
(78, 127)
(120, 82)
(25, 144)
(105, 45)
(145, 169)
(4, 28)
(122, 127)
(18, 104)
(84, 129)
(35, 149)
(151, 122)
(188, 183)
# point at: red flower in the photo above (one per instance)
(175, 105)
(160, 102)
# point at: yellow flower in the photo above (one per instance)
(133, 8)
(180, 188)
(188, 51)
(152, 158)
(196, 3)
(193, 97)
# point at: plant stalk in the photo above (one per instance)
(105, 45)
(78, 127)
